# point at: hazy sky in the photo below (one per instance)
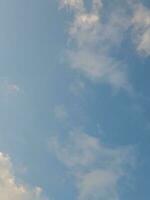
(74, 99)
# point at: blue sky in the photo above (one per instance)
(74, 99)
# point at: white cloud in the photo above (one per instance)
(141, 23)
(96, 168)
(79, 151)
(94, 40)
(10, 189)
(99, 67)
(74, 4)
(94, 36)
(99, 184)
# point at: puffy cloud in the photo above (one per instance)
(96, 168)
(10, 189)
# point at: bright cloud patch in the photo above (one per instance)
(9, 189)
(96, 168)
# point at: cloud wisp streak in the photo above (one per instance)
(141, 24)
(96, 168)
(94, 38)
(93, 41)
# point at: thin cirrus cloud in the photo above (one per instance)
(95, 36)
(10, 189)
(141, 23)
(77, 87)
(60, 112)
(93, 41)
(96, 168)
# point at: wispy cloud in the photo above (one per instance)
(94, 36)
(77, 87)
(10, 189)
(141, 24)
(96, 168)
(93, 39)
(8, 88)
(60, 112)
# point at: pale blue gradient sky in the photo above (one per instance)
(35, 78)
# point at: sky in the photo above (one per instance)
(74, 99)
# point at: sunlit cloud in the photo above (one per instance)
(10, 189)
